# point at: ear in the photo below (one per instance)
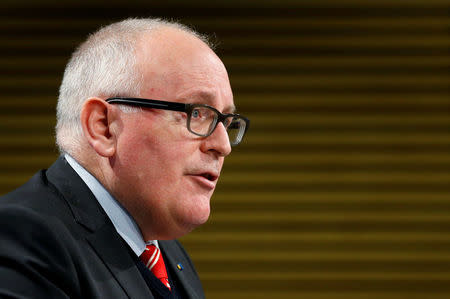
(97, 118)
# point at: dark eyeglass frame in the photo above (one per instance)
(181, 107)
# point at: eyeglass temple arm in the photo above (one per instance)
(150, 104)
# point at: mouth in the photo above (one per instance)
(205, 179)
(209, 176)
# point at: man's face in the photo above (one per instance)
(165, 174)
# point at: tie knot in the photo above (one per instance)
(150, 256)
(153, 260)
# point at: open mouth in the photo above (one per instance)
(209, 176)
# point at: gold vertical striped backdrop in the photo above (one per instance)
(342, 188)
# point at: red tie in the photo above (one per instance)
(153, 259)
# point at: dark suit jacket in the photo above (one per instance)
(57, 242)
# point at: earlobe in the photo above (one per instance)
(96, 119)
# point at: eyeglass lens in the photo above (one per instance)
(236, 130)
(203, 121)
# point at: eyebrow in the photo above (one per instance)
(208, 98)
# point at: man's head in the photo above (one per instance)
(104, 65)
(158, 170)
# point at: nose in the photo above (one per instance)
(218, 141)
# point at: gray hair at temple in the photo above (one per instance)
(104, 65)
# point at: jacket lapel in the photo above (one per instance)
(101, 235)
(110, 248)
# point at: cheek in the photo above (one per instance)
(157, 159)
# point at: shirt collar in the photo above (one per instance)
(121, 219)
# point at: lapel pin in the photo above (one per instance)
(180, 266)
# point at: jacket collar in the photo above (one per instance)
(81, 201)
(101, 234)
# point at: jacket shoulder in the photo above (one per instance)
(35, 257)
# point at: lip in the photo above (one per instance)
(203, 181)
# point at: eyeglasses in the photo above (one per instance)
(202, 119)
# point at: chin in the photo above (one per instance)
(196, 216)
(202, 220)
(200, 217)
(185, 228)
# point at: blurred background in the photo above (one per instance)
(342, 188)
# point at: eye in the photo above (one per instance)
(196, 113)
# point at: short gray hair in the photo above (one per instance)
(105, 65)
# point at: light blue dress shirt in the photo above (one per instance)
(121, 219)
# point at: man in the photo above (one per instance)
(144, 122)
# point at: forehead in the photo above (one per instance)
(180, 67)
